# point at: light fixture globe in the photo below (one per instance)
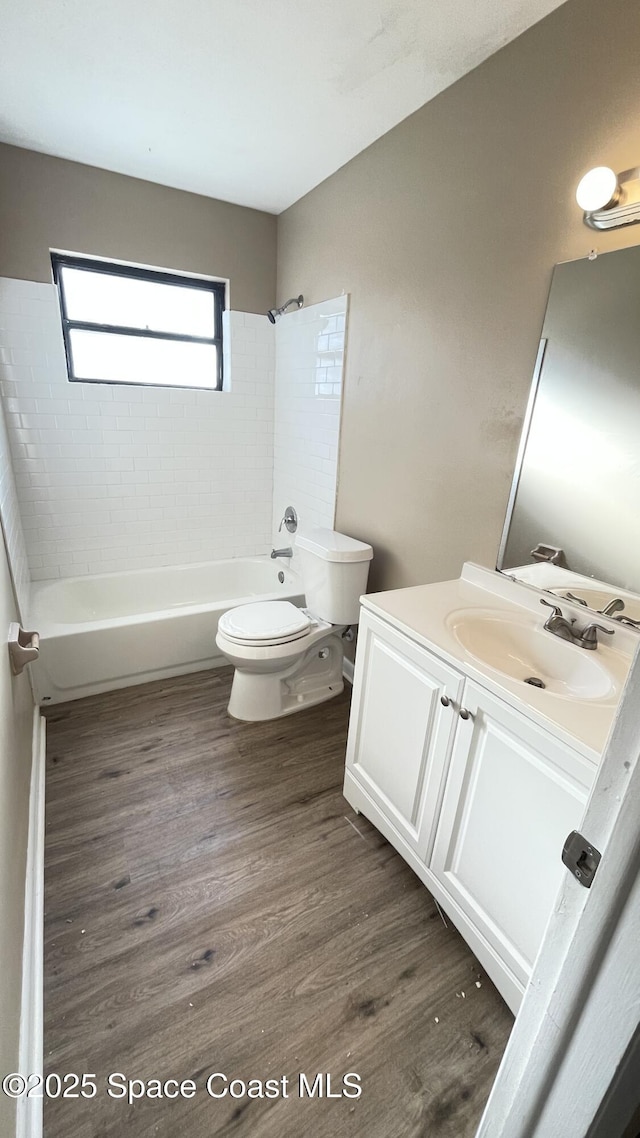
(598, 189)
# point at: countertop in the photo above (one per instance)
(421, 612)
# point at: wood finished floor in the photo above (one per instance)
(213, 904)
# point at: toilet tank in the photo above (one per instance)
(334, 570)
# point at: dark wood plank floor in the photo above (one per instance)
(213, 904)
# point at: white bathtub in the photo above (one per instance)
(111, 631)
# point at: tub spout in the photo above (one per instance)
(288, 552)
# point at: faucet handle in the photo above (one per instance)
(615, 605)
(590, 633)
(556, 611)
(576, 600)
(290, 519)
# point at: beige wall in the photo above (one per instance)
(445, 232)
(50, 203)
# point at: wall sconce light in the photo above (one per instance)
(609, 200)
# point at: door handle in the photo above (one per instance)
(24, 648)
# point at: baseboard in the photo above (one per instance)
(29, 1111)
(347, 670)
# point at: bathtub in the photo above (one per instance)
(118, 629)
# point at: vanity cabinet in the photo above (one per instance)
(512, 795)
(476, 796)
(402, 729)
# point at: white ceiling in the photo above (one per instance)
(252, 101)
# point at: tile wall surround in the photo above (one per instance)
(113, 478)
(12, 524)
(310, 345)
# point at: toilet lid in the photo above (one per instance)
(267, 621)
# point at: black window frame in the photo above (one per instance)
(158, 276)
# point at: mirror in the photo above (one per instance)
(574, 511)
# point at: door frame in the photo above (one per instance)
(580, 1009)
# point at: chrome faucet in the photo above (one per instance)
(616, 605)
(288, 552)
(576, 600)
(558, 625)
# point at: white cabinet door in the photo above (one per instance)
(400, 732)
(512, 796)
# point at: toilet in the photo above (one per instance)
(287, 658)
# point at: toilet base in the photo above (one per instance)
(256, 696)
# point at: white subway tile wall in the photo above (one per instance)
(112, 478)
(12, 524)
(308, 393)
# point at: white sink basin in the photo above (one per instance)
(518, 648)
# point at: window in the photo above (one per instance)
(127, 325)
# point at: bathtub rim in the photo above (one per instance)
(50, 628)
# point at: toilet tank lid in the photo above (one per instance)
(332, 546)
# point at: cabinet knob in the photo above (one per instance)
(445, 701)
(464, 714)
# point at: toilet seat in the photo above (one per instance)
(265, 623)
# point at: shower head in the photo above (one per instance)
(274, 313)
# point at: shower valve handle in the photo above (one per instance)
(289, 521)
